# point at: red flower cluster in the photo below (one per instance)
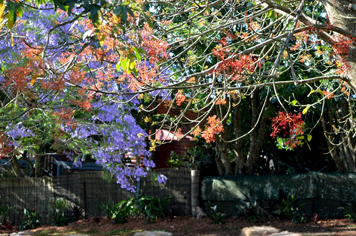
(288, 125)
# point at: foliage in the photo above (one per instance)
(82, 68)
(73, 120)
(108, 209)
(217, 216)
(4, 210)
(350, 212)
(58, 212)
(290, 126)
(149, 208)
(120, 211)
(124, 209)
(197, 157)
(77, 212)
(176, 160)
(290, 211)
(32, 219)
(251, 209)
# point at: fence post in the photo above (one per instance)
(195, 181)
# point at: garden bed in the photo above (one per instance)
(189, 225)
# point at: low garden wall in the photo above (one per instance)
(320, 193)
(88, 190)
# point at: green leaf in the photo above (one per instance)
(305, 110)
(311, 92)
(12, 15)
(309, 137)
(293, 103)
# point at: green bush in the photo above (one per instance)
(108, 209)
(123, 210)
(290, 211)
(4, 210)
(217, 216)
(149, 208)
(57, 211)
(31, 219)
(350, 212)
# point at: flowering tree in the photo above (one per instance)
(52, 67)
(201, 57)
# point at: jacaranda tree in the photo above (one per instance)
(52, 66)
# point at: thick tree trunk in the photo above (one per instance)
(258, 133)
(342, 13)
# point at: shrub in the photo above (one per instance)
(149, 208)
(290, 211)
(31, 219)
(108, 209)
(251, 209)
(57, 211)
(217, 216)
(77, 212)
(4, 210)
(350, 212)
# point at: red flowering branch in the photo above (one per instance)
(288, 125)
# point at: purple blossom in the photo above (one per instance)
(161, 179)
(18, 131)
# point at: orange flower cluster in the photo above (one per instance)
(234, 68)
(215, 127)
(180, 98)
(28, 67)
(328, 95)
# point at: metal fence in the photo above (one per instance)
(88, 190)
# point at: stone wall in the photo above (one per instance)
(88, 190)
(321, 193)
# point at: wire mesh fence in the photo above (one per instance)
(87, 190)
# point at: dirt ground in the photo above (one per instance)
(189, 225)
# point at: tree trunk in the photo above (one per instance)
(16, 168)
(222, 151)
(237, 146)
(258, 133)
(336, 151)
(342, 13)
(219, 164)
(39, 162)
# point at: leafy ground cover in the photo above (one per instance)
(189, 225)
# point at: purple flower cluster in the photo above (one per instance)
(15, 131)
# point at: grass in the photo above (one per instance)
(52, 232)
(92, 231)
(121, 232)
